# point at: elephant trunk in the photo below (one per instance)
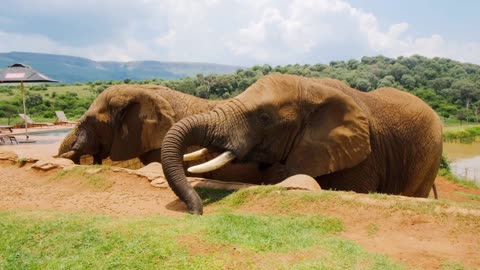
(66, 149)
(189, 131)
(214, 130)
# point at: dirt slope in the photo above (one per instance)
(419, 239)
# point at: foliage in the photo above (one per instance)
(451, 88)
(467, 135)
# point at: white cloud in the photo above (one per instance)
(231, 32)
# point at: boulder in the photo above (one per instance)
(300, 182)
(152, 171)
(8, 155)
(52, 163)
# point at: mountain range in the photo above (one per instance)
(69, 69)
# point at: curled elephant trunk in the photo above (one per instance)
(189, 131)
(211, 130)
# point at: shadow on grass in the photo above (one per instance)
(210, 195)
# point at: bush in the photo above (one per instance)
(444, 165)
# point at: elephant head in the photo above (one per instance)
(124, 122)
(310, 126)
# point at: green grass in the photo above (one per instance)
(51, 240)
(471, 196)
(95, 180)
(81, 90)
(343, 254)
(465, 135)
(270, 233)
(453, 266)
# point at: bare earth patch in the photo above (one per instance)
(382, 224)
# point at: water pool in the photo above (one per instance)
(58, 132)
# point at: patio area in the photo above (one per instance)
(47, 140)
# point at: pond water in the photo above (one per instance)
(465, 159)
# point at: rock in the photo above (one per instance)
(152, 171)
(301, 182)
(8, 155)
(52, 163)
(159, 183)
(93, 171)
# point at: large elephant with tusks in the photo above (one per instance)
(386, 140)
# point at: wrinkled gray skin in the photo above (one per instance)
(386, 140)
(129, 121)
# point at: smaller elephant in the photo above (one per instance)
(386, 140)
(130, 121)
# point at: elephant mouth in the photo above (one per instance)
(221, 160)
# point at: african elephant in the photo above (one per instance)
(129, 121)
(386, 140)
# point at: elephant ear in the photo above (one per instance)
(336, 133)
(141, 119)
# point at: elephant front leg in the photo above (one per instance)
(274, 173)
(151, 156)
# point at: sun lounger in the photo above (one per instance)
(6, 127)
(30, 122)
(9, 137)
(62, 119)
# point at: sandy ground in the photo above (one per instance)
(415, 239)
(420, 241)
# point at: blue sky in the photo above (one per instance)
(242, 32)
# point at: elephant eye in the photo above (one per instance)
(264, 119)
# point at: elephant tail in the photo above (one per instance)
(435, 193)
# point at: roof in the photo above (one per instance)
(22, 73)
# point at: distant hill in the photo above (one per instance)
(71, 69)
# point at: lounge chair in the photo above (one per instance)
(30, 122)
(6, 127)
(9, 137)
(62, 119)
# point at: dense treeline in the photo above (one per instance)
(450, 87)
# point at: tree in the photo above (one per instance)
(266, 69)
(467, 91)
(33, 100)
(398, 70)
(461, 115)
(7, 110)
(353, 64)
(362, 84)
(440, 83)
(476, 110)
(387, 81)
(408, 81)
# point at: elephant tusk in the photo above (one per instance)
(195, 155)
(68, 154)
(213, 164)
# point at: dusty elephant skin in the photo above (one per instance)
(386, 140)
(129, 121)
